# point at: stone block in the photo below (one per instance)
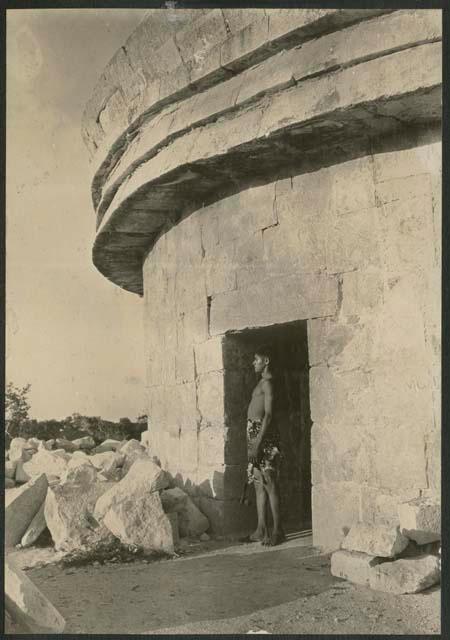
(35, 528)
(335, 508)
(210, 398)
(9, 483)
(196, 42)
(353, 242)
(49, 462)
(188, 453)
(404, 188)
(27, 606)
(69, 515)
(337, 397)
(327, 338)
(20, 449)
(406, 163)
(296, 298)
(184, 364)
(238, 19)
(191, 521)
(87, 442)
(420, 520)
(353, 566)
(408, 575)
(109, 445)
(125, 519)
(362, 292)
(193, 327)
(353, 187)
(273, 75)
(21, 505)
(220, 276)
(375, 540)
(209, 356)
(211, 446)
(243, 48)
(144, 477)
(407, 231)
(10, 468)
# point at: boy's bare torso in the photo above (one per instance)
(256, 406)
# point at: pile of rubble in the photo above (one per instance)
(396, 559)
(88, 496)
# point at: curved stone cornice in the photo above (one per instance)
(373, 78)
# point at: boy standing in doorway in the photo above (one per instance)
(264, 456)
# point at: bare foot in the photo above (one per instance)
(276, 537)
(259, 534)
(266, 539)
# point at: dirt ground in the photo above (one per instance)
(225, 588)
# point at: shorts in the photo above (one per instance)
(270, 454)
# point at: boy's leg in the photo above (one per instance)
(273, 492)
(261, 502)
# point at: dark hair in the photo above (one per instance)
(265, 351)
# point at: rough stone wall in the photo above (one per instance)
(353, 249)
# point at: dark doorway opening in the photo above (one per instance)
(289, 344)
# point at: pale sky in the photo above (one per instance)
(76, 337)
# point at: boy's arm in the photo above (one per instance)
(268, 402)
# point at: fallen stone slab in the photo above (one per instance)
(49, 444)
(49, 462)
(139, 519)
(144, 477)
(375, 540)
(26, 604)
(67, 445)
(10, 468)
(21, 476)
(108, 463)
(420, 520)
(409, 575)
(83, 473)
(145, 439)
(21, 505)
(35, 443)
(87, 442)
(9, 483)
(19, 449)
(191, 521)
(132, 450)
(78, 458)
(69, 516)
(353, 566)
(108, 445)
(35, 528)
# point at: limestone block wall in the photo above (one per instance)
(352, 248)
(252, 168)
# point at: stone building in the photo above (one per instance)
(275, 175)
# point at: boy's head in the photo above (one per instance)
(263, 358)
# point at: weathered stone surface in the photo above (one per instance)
(132, 450)
(335, 508)
(409, 575)
(27, 605)
(375, 540)
(21, 476)
(109, 445)
(49, 462)
(146, 439)
(138, 518)
(67, 445)
(353, 566)
(9, 483)
(49, 444)
(108, 463)
(21, 505)
(35, 442)
(87, 442)
(83, 473)
(191, 521)
(143, 477)
(10, 468)
(298, 297)
(69, 515)
(78, 458)
(35, 528)
(20, 449)
(420, 520)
